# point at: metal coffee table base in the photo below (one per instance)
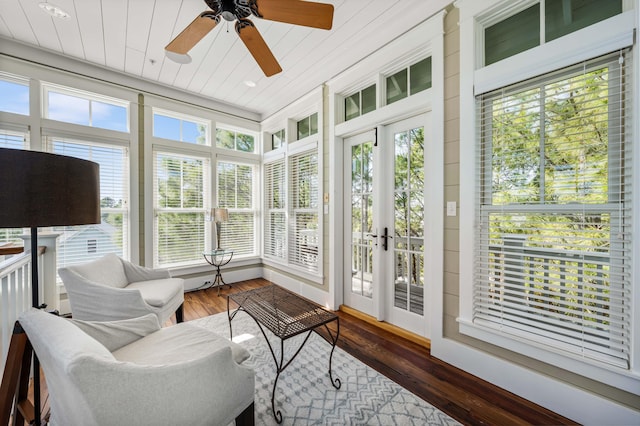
(305, 325)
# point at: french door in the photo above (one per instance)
(385, 232)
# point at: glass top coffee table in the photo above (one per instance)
(286, 315)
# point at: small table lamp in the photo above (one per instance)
(219, 215)
(42, 189)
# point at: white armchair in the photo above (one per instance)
(135, 372)
(110, 288)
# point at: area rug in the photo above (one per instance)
(304, 394)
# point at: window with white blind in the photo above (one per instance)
(303, 191)
(236, 185)
(554, 218)
(13, 139)
(112, 234)
(275, 224)
(180, 232)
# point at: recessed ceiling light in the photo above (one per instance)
(53, 10)
(177, 57)
(250, 83)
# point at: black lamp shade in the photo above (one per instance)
(41, 189)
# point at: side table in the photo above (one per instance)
(218, 258)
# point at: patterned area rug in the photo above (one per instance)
(304, 394)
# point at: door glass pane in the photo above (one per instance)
(512, 35)
(409, 220)
(361, 219)
(567, 16)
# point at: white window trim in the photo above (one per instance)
(589, 43)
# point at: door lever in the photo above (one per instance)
(374, 237)
(385, 238)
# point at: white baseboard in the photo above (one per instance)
(312, 293)
(230, 277)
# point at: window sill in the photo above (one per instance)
(204, 267)
(286, 268)
(627, 380)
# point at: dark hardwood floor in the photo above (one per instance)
(464, 397)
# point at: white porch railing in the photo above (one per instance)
(15, 296)
(15, 287)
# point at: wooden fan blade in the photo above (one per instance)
(308, 14)
(258, 48)
(192, 34)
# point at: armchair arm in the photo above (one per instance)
(95, 302)
(211, 390)
(137, 273)
(116, 334)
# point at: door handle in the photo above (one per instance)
(385, 239)
(374, 237)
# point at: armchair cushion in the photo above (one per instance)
(177, 347)
(107, 270)
(115, 334)
(158, 292)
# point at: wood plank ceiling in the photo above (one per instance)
(129, 36)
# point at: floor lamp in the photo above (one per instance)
(39, 189)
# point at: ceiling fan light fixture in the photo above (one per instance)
(178, 57)
(228, 16)
(53, 10)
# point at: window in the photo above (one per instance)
(521, 31)
(183, 129)
(87, 109)
(275, 227)
(307, 126)
(303, 190)
(554, 211)
(236, 183)
(180, 185)
(409, 81)
(14, 94)
(360, 103)
(112, 234)
(277, 139)
(237, 141)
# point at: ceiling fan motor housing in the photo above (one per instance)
(232, 9)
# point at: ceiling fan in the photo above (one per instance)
(298, 12)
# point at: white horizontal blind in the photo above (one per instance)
(180, 184)
(83, 243)
(275, 226)
(553, 249)
(303, 189)
(14, 140)
(236, 193)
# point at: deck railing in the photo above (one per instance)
(15, 286)
(15, 295)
